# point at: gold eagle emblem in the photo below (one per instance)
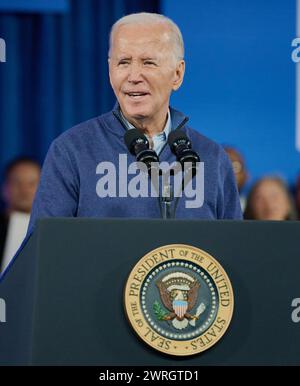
(179, 295)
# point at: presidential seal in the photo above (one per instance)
(179, 300)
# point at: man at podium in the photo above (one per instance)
(89, 172)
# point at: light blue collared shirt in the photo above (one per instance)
(159, 140)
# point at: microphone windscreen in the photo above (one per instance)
(176, 135)
(132, 136)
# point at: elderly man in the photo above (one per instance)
(145, 65)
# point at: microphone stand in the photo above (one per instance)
(167, 199)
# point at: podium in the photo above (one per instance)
(64, 292)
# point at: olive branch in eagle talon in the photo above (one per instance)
(160, 313)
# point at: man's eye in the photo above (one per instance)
(122, 62)
(149, 62)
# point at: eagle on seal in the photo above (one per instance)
(179, 294)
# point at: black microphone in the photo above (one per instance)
(181, 146)
(138, 145)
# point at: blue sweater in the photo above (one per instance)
(68, 182)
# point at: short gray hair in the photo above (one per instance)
(150, 19)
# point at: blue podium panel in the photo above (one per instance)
(64, 293)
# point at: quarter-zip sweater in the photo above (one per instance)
(68, 185)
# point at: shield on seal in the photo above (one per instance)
(180, 307)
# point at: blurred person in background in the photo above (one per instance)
(270, 199)
(21, 178)
(240, 171)
(298, 196)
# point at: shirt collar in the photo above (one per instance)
(164, 134)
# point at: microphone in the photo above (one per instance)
(138, 145)
(181, 146)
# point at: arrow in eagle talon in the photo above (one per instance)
(201, 308)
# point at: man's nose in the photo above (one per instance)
(135, 74)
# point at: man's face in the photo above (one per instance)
(20, 187)
(143, 70)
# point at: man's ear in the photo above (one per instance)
(179, 74)
(108, 62)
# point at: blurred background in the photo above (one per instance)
(240, 85)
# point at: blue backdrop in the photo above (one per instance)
(55, 73)
(34, 5)
(239, 87)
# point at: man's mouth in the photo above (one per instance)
(136, 95)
